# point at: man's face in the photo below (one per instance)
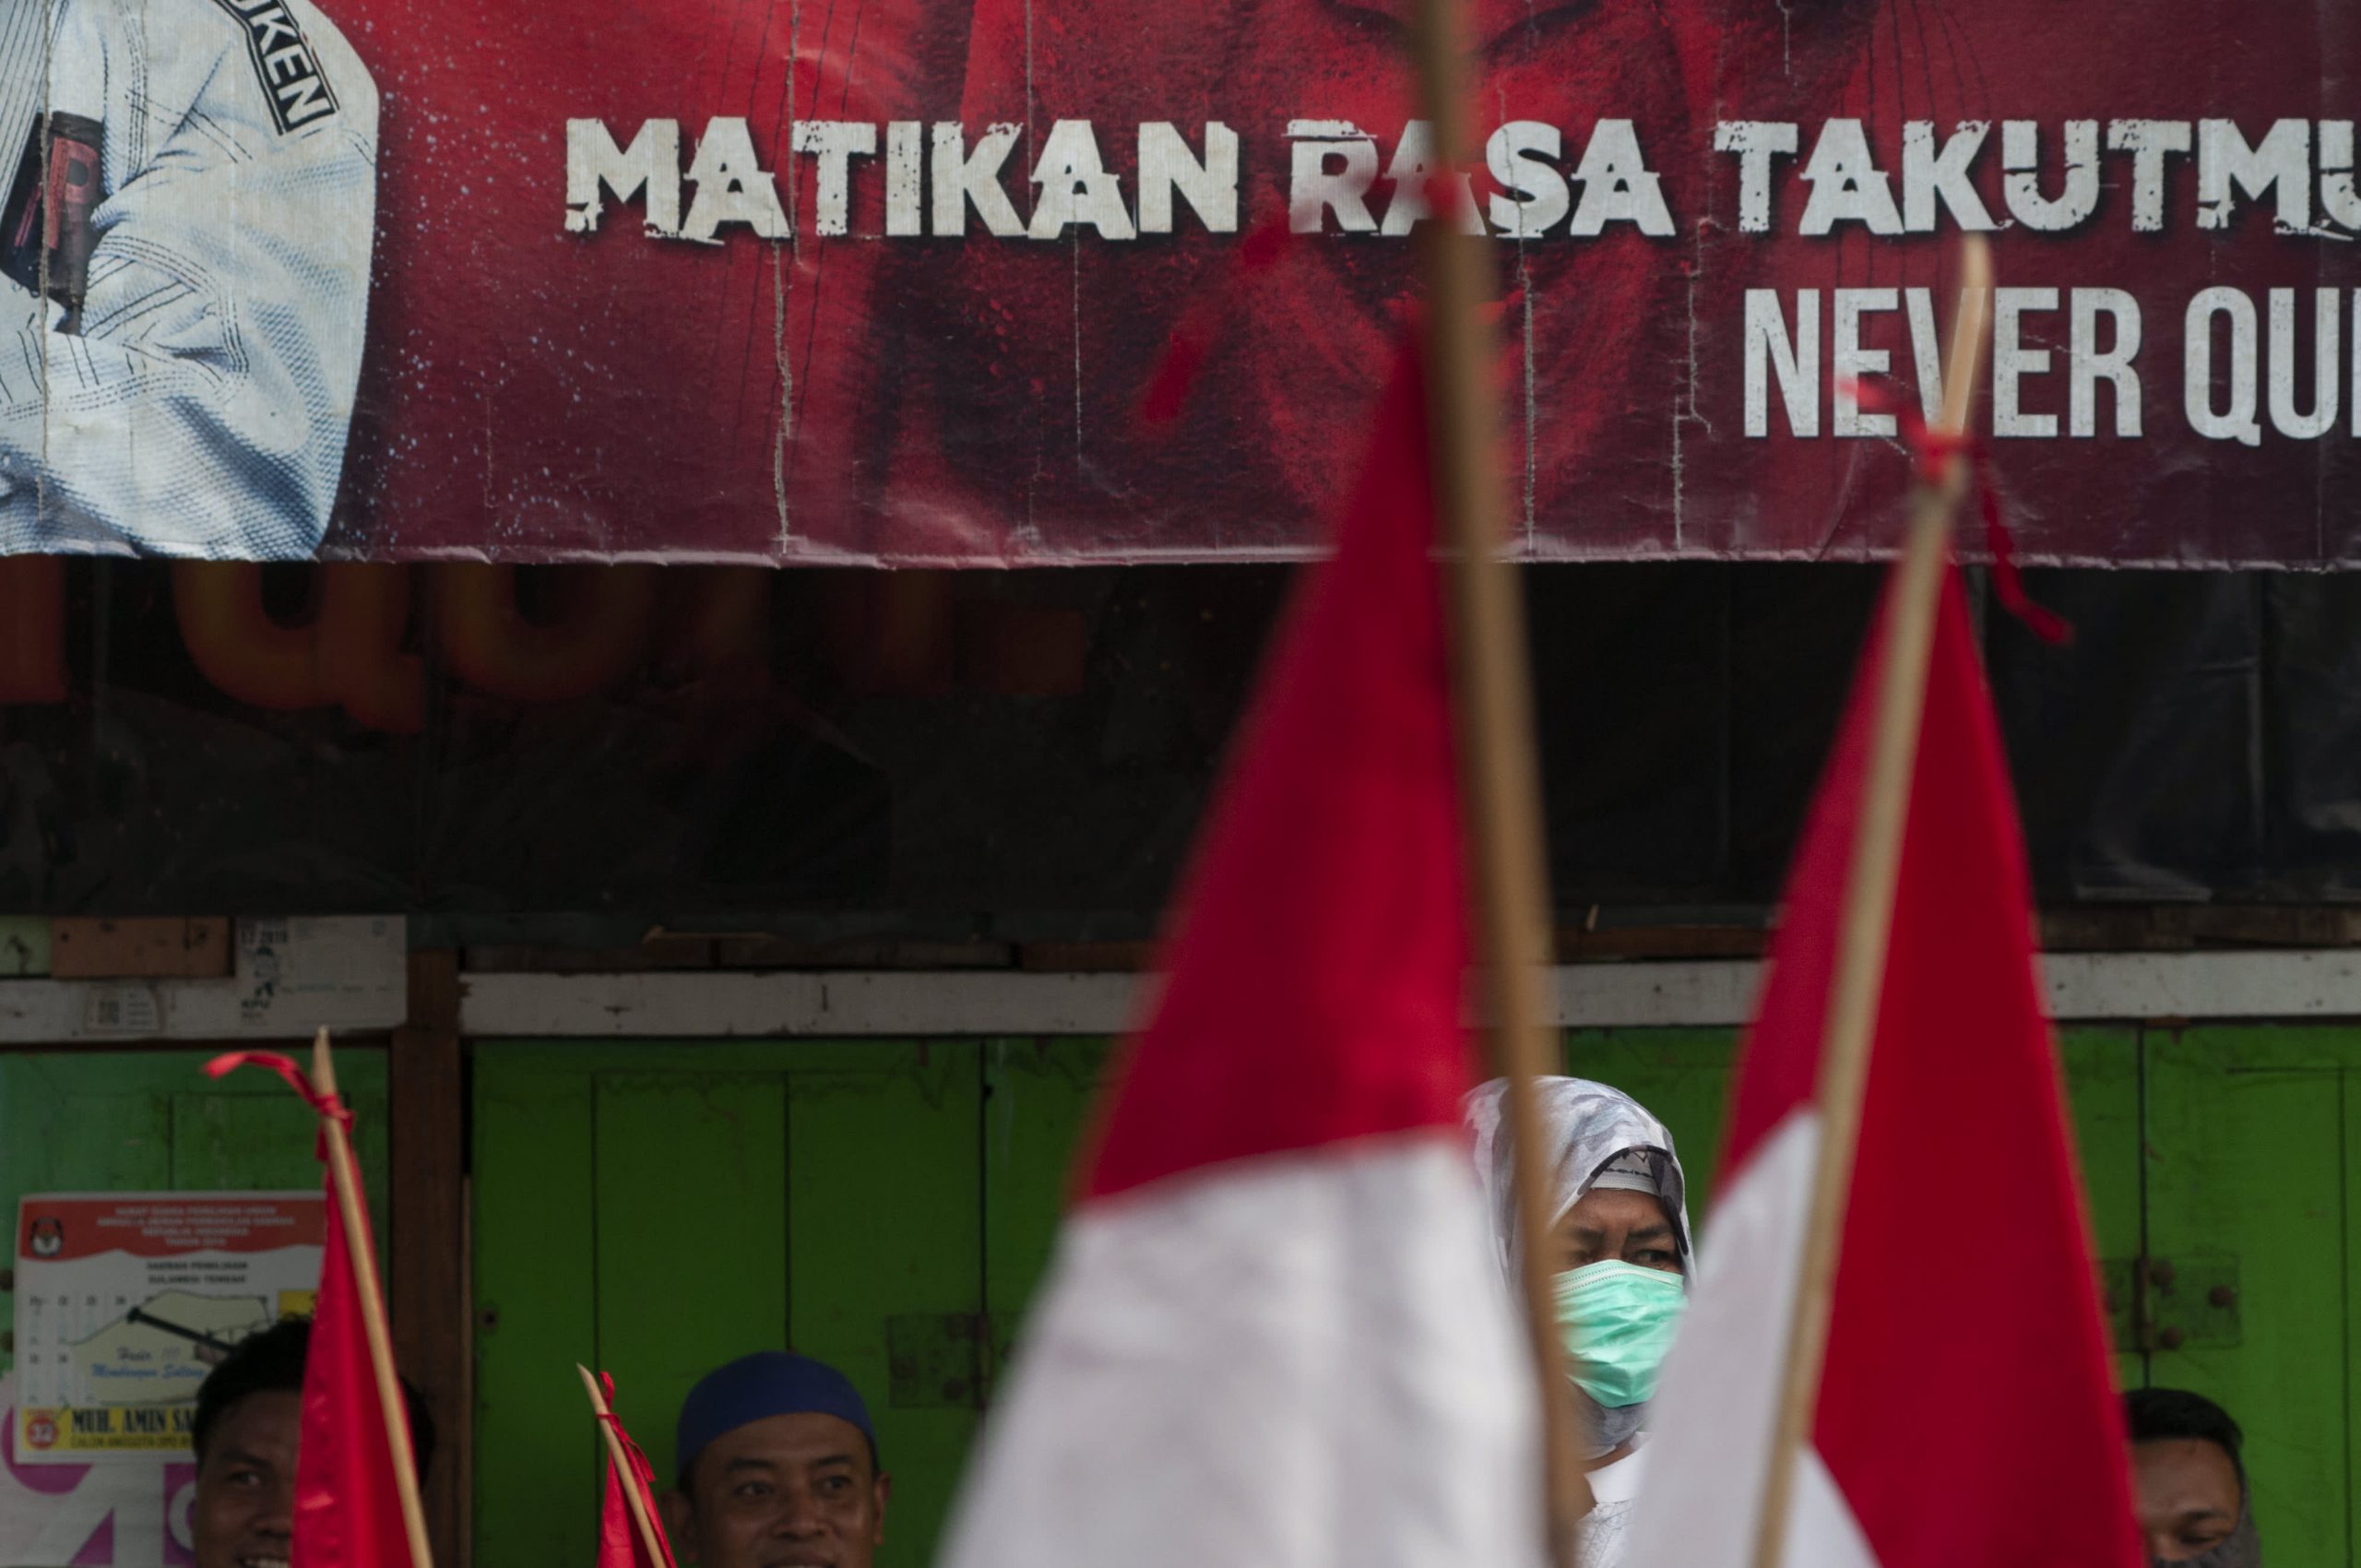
(243, 1516)
(2186, 1494)
(1615, 1223)
(786, 1491)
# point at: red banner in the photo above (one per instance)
(886, 280)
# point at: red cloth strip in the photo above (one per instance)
(1931, 450)
(328, 1105)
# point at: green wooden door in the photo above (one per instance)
(1037, 1096)
(659, 1209)
(151, 1121)
(2253, 1156)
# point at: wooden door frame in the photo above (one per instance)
(429, 1298)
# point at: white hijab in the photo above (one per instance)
(1585, 1126)
(1591, 1135)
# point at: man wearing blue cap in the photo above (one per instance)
(777, 1468)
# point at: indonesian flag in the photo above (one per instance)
(1275, 1332)
(1965, 1415)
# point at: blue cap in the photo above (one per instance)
(752, 1388)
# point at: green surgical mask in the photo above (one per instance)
(1618, 1320)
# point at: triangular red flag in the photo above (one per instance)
(1326, 909)
(1275, 1331)
(348, 1502)
(1944, 1386)
(621, 1542)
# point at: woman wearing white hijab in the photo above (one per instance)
(1620, 1256)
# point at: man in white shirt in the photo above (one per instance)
(184, 274)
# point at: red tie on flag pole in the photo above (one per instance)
(1848, 1393)
(629, 1536)
(356, 1481)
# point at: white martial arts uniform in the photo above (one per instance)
(196, 397)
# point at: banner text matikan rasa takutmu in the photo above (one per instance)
(939, 182)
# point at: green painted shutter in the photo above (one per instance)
(659, 1209)
(1037, 1096)
(2248, 1185)
(892, 1207)
(883, 1257)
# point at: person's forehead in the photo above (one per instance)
(801, 1437)
(264, 1424)
(1620, 1207)
(2188, 1472)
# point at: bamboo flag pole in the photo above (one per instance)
(1870, 880)
(621, 1459)
(1499, 790)
(346, 1179)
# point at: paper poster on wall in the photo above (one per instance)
(299, 973)
(126, 1300)
(112, 1516)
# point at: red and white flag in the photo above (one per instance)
(1966, 1417)
(1276, 1330)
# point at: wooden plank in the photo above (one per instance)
(1684, 993)
(85, 948)
(691, 1184)
(1037, 1098)
(784, 953)
(2245, 1162)
(536, 1484)
(426, 1245)
(2101, 1069)
(885, 1235)
(527, 958)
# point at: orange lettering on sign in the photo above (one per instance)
(901, 633)
(346, 653)
(32, 629)
(597, 633)
(722, 637)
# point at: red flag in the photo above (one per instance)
(1326, 909)
(620, 1543)
(1965, 1414)
(347, 1502)
(1275, 1332)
